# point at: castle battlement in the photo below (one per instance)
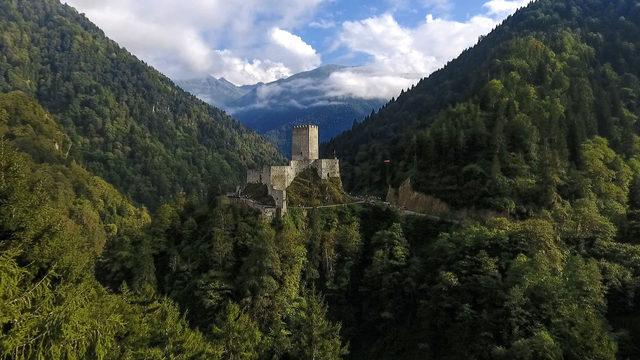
(304, 155)
(305, 126)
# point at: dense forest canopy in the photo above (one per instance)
(84, 274)
(542, 137)
(124, 120)
(506, 120)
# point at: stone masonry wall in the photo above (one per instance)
(281, 177)
(305, 153)
(314, 151)
(298, 166)
(328, 168)
(304, 145)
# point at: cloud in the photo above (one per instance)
(251, 41)
(367, 83)
(504, 7)
(243, 71)
(392, 47)
(322, 24)
(243, 40)
(300, 54)
(401, 56)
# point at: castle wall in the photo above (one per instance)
(280, 196)
(281, 177)
(305, 153)
(328, 168)
(314, 151)
(298, 166)
(266, 175)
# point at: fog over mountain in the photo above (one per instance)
(218, 92)
(308, 97)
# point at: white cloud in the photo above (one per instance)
(242, 71)
(232, 38)
(505, 7)
(300, 54)
(249, 41)
(392, 47)
(401, 56)
(367, 83)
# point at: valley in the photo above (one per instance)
(491, 211)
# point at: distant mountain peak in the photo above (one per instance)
(272, 108)
(225, 81)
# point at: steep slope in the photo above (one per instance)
(58, 222)
(271, 109)
(87, 275)
(403, 287)
(504, 123)
(126, 122)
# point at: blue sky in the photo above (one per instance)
(393, 43)
(407, 13)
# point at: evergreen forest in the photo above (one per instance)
(117, 240)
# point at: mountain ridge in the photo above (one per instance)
(408, 121)
(273, 108)
(532, 138)
(128, 123)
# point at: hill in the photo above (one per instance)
(505, 122)
(58, 223)
(550, 269)
(272, 109)
(126, 122)
(87, 274)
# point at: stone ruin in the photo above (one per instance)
(304, 155)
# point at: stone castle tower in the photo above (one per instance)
(304, 155)
(304, 145)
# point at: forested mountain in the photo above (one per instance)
(125, 121)
(87, 275)
(505, 121)
(84, 274)
(56, 220)
(534, 146)
(272, 109)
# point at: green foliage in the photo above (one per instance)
(123, 120)
(607, 178)
(239, 334)
(242, 279)
(538, 121)
(317, 337)
(56, 220)
(308, 189)
(542, 131)
(501, 126)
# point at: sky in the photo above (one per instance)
(388, 45)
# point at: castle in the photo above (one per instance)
(304, 155)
